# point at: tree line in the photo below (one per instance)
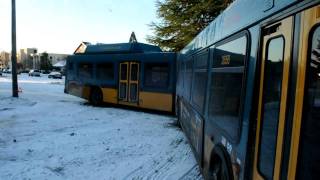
(182, 20)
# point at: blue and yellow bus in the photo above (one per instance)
(248, 91)
(130, 74)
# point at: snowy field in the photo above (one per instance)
(46, 134)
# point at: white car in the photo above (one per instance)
(55, 75)
(34, 72)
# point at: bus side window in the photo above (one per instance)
(156, 75)
(180, 76)
(70, 66)
(200, 81)
(227, 86)
(183, 76)
(85, 70)
(188, 78)
(105, 71)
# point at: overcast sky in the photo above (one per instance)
(59, 26)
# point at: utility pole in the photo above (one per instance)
(14, 52)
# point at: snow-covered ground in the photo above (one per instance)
(46, 134)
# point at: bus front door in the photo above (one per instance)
(271, 114)
(304, 160)
(129, 82)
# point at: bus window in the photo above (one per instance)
(156, 75)
(124, 71)
(271, 106)
(180, 76)
(85, 70)
(70, 66)
(188, 78)
(309, 157)
(200, 81)
(134, 72)
(105, 71)
(227, 85)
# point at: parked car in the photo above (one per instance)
(7, 71)
(34, 72)
(24, 71)
(55, 75)
(45, 71)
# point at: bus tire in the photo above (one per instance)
(96, 96)
(220, 166)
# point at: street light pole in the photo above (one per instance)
(14, 52)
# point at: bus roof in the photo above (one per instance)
(239, 15)
(119, 48)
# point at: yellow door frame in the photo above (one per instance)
(285, 29)
(128, 82)
(134, 82)
(123, 81)
(309, 18)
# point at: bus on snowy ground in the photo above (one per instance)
(248, 91)
(131, 74)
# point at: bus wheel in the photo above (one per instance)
(96, 97)
(220, 169)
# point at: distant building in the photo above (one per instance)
(4, 60)
(31, 59)
(27, 57)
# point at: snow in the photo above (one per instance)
(46, 134)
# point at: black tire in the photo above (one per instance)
(96, 97)
(221, 168)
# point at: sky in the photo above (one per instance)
(59, 26)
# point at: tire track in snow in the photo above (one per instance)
(192, 174)
(159, 166)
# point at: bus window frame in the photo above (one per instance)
(70, 66)
(195, 70)
(187, 92)
(92, 73)
(263, 100)
(155, 89)
(180, 76)
(183, 71)
(97, 65)
(246, 34)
